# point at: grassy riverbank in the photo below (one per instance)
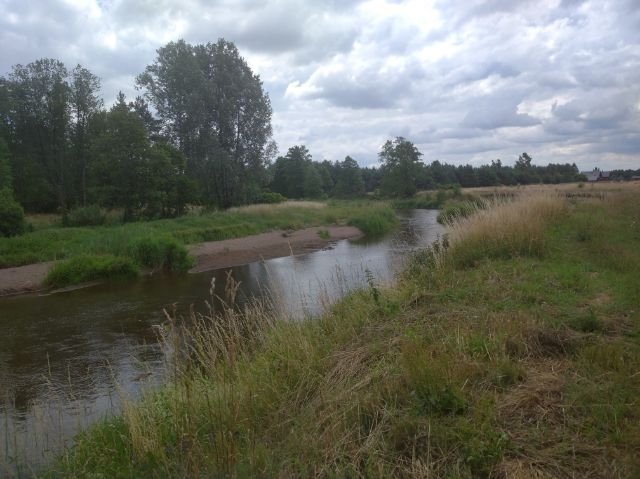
(117, 250)
(515, 352)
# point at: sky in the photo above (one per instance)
(467, 81)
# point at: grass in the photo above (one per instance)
(512, 352)
(161, 244)
(83, 269)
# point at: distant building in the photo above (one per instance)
(635, 178)
(597, 175)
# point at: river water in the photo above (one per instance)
(67, 359)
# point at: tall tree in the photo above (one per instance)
(85, 103)
(214, 109)
(40, 126)
(401, 162)
(291, 173)
(349, 181)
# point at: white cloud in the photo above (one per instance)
(466, 80)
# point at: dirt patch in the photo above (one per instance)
(208, 256)
(275, 244)
(23, 279)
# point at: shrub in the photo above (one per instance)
(161, 253)
(271, 197)
(90, 215)
(11, 214)
(82, 269)
(374, 222)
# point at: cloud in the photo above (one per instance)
(467, 81)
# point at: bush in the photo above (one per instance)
(11, 214)
(82, 269)
(271, 197)
(375, 222)
(90, 215)
(161, 253)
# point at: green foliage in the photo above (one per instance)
(296, 176)
(11, 214)
(91, 215)
(349, 183)
(161, 253)
(375, 222)
(401, 163)
(85, 268)
(270, 197)
(6, 177)
(214, 107)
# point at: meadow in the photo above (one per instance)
(509, 349)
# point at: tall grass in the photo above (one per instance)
(522, 364)
(504, 228)
(119, 240)
(85, 268)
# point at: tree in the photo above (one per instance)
(6, 177)
(292, 173)
(40, 113)
(524, 172)
(85, 103)
(349, 181)
(132, 173)
(213, 108)
(401, 162)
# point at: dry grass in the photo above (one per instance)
(259, 208)
(597, 188)
(502, 228)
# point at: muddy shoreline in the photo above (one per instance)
(208, 256)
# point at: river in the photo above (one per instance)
(66, 359)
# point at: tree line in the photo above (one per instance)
(199, 132)
(401, 173)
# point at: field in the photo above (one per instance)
(511, 349)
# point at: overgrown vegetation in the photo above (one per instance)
(141, 241)
(87, 268)
(510, 350)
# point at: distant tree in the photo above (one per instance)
(400, 162)
(132, 173)
(371, 177)
(290, 172)
(524, 172)
(466, 176)
(487, 176)
(349, 183)
(213, 108)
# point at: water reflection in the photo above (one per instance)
(66, 358)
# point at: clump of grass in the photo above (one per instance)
(85, 268)
(504, 229)
(324, 234)
(375, 222)
(454, 210)
(161, 253)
